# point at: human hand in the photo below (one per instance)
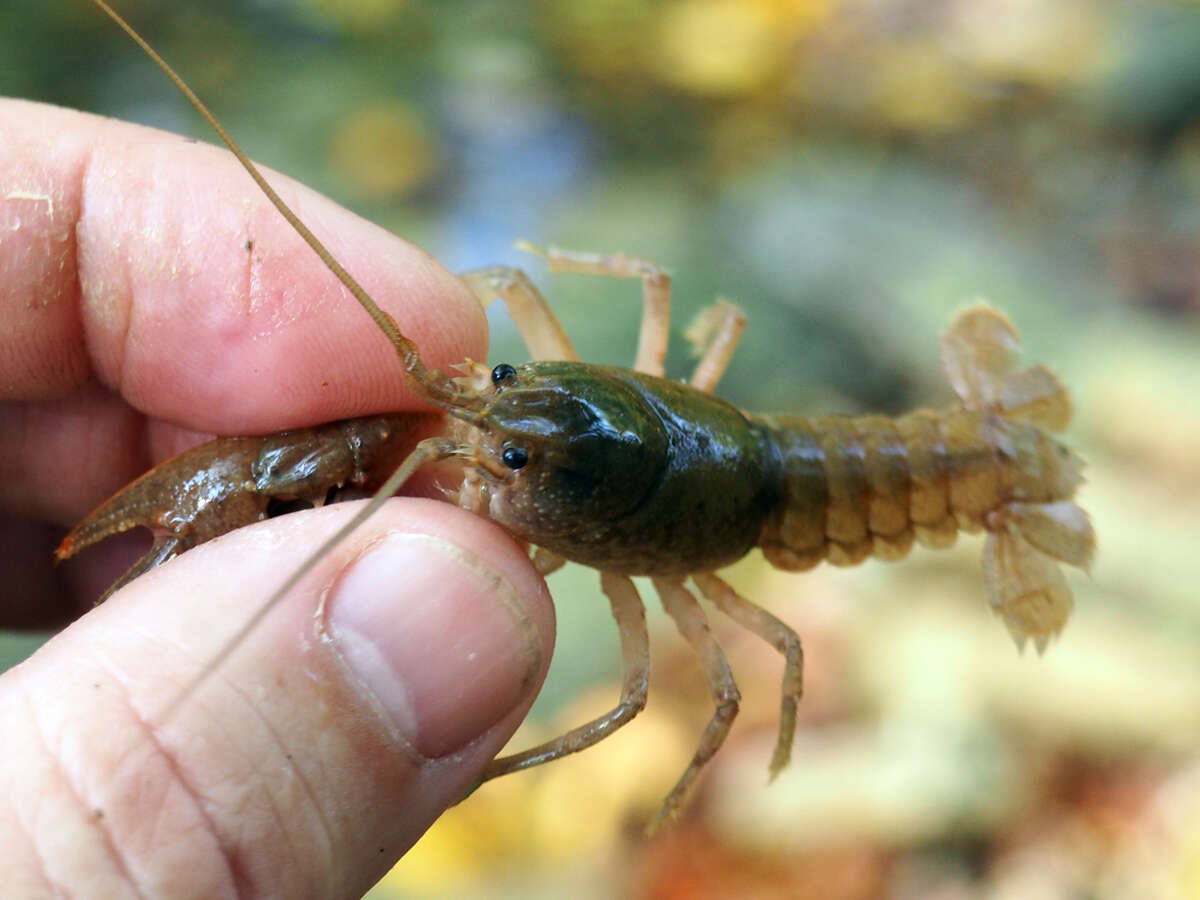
(151, 297)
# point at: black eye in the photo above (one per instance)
(501, 374)
(514, 457)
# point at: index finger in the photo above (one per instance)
(154, 266)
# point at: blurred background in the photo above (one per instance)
(851, 172)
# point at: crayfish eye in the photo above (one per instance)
(503, 373)
(514, 457)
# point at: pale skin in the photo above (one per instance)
(151, 298)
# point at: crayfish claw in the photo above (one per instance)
(165, 547)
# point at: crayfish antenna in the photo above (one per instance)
(433, 385)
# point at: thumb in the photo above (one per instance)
(316, 754)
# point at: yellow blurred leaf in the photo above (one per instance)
(719, 47)
(919, 88)
(383, 149)
(1048, 42)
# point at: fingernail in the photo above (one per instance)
(438, 638)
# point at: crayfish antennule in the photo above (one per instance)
(474, 376)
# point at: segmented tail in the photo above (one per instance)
(871, 485)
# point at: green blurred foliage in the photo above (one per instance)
(850, 173)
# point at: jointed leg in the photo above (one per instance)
(715, 333)
(778, 635)
(547, 562)
(656, 296)
(630, 614)
(689, 618)
(542, 332)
